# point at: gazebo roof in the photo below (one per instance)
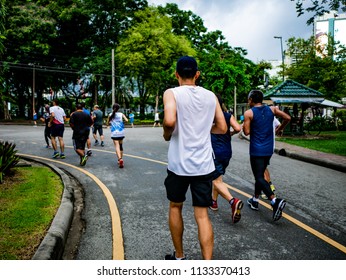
(290, 91)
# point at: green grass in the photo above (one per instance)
(29, 199)
(333, 142)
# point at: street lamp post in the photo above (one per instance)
(33, 89)
(282, 57)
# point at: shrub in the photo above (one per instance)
(8, 158)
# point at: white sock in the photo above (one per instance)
(273, 201)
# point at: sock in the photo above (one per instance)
(255, 199)
(231, 201)
(273, 201)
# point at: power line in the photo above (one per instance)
(51, 69)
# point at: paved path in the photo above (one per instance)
(139, 194)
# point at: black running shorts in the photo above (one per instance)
(200, 186)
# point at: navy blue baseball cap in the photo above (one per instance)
(186, 67)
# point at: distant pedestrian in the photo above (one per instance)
(116, 123)
(222, 148)
(57, 125)
(191, 113)
(45, 119)
(132, 119)
(80, 123)
(258, 122)
(157, 119)
(88, 151)
(35, 118)
(97, 116)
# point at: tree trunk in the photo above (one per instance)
(7, 115)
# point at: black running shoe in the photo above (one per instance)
(278, 207)
(253, 204)
(172, 257)
(89, 153)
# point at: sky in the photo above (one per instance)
(250, 24)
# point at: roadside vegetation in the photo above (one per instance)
(327, 141)
(29, 199)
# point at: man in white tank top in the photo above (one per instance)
(190, 114)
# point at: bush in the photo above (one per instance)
(341, 117)
(8, 158)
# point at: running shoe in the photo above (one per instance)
(272, 187)
(253, 204)
(102, 144)
(89, 153)
(278, 207)
(62, 155)
(96, 142)
(121, 163)
(237, 205)
(172, 257)
(84, 160)
(55, 154)
(48, 147)
(214, 206)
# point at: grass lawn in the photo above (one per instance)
(29, 199)
(333, 142)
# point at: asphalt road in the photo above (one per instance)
(313, 227)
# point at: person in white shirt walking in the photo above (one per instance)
(57, 124)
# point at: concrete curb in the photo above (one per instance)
(321, 162)
(53, 244)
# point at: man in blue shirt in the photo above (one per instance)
(88, 152)
(258, 122)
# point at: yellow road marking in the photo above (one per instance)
(299, 223)
(118, 244)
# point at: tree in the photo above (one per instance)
(64, 41)
(322, 73)
(145, 56)
(319, 8)
(3, 98)
(109, 21)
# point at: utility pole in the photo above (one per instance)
(235, 103)
(282, 57)
(113, 79)
(33, 89)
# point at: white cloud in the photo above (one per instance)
(250, 24)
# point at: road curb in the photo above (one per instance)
(309, 159)
(53, 245)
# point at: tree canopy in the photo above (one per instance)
(65, 47)
(319, 8)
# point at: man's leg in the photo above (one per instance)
(258, 166)
(62, 144)
(176, 226)
(220, 187)
(205, 232)
(54, 143)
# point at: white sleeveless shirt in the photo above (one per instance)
(190, 152)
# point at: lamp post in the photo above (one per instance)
(282, 57)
